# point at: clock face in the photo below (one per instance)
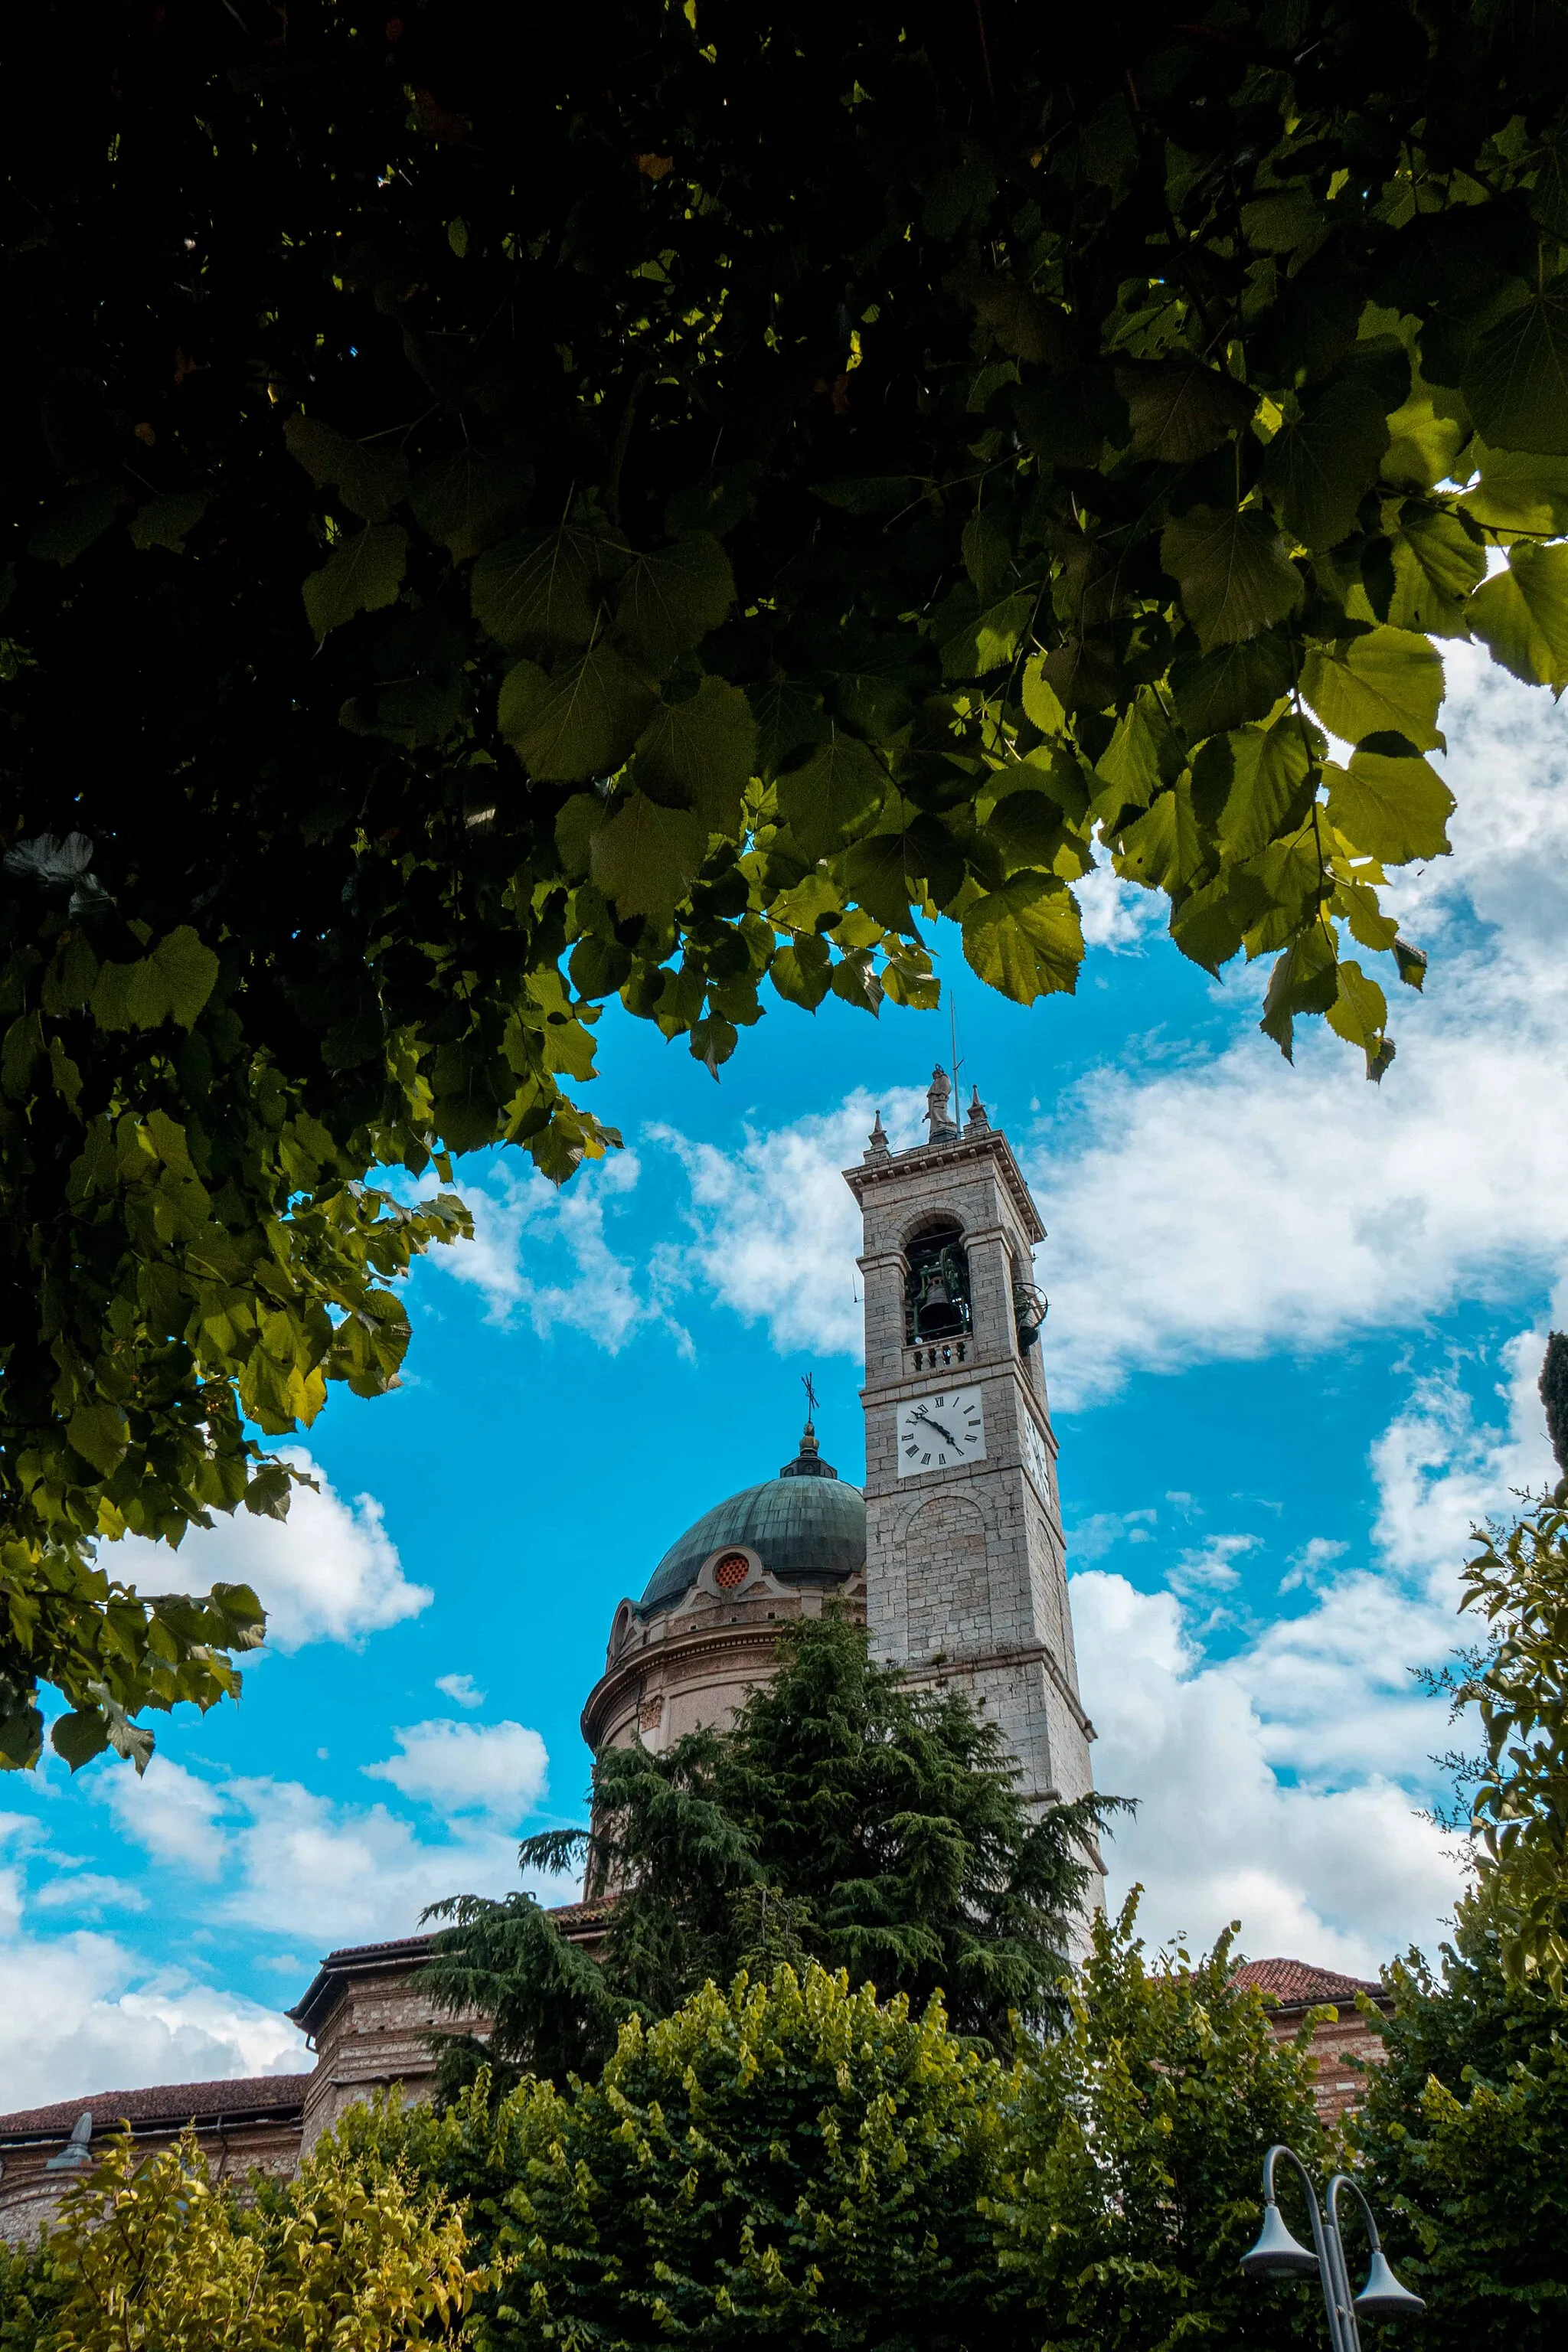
(1036, 1458)
(939, 1431)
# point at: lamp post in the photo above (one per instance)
(1277, 2255)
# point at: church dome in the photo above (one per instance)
(807, 1526)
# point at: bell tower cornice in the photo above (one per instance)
(931, 1163)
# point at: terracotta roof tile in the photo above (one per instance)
(173, 2104)
(1299, 1983)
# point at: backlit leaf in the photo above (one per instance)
(1025, 937)
(1234, 575)
(669, 601)
(992, 639)
(100, 1435)
(1358, 1014)
(1164, 848)
(802, 970)
(700, 753)
(1436, 566)
(788, 715)
(361, 575)
(1271, 773)
(541, 586)
(1522, 615)
(579, 720)
(841, 782)
(1389, 681)
(467, 500)
(1395, 810)
(1521, 491)
(1224, 689)
(646, 857)
(78, 1738)
(1304, 980)
(1516, 385)
(370, 482)
(163, 522)
(1318, 469)
(1181, 408)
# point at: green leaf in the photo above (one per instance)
(370, 482)
(1027, 829)
(987, 551)
(788, 715)
(1234, 575)
(1358, 1014)
(541, 586)
(877, 874)
(578, 722)
(838, 784)
(992, 640)
(576, 823)
(1211, 922)
(700, 753)
(1181, 408)
(101, 1434)
(1393, 810)
(646, 857)
(188, 972)
(1389, 681)
(1254, 784)
(867, 495)
(1522, 615)
(361, 575)
(467, 500)
(1318, 469)
(78, 1738)
(1304, 980)
(1164, 849)
(1279, 224)
(1026, 938)
(670, 600)
(1516, 384)
(71, 528)
(1437, 567)
(1521, 491)
(163, 522)
(1224, 689)
(1043, 705)
(1130, 764)
(716, 502)
(802, 970)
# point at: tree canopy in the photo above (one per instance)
(506, 511)
(845, 1818)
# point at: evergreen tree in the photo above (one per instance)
(1464, 2135)
(845, 1818)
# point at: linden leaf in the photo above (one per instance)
(1181, 408)
(541, 585)
(1393, 810)
(361, 575)
(1234, 575)
(1270, 787)
(1521, 491)
(370, 482)
(1319, 469)
(163, 522)
(670, 600)
(1358, 1014)
(1224, 689)
(841, 782)
(1522, 615)
(101, 1434)
(802, 970)
(700, 753)
(578, 722)
(788, 715)
(645, 859)
(467, 500)
(1516, 384)
(1025, 937)
(1164, 849)
(1389, 681)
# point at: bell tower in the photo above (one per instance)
(966, 1566)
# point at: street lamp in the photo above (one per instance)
(1277, 2255)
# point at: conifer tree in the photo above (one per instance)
(846, 1818)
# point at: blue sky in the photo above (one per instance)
(1295, 1327)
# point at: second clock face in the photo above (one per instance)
(1034, 1456)
(938, 1432)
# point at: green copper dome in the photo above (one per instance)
(806, 1525)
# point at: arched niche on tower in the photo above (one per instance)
(937, 1292)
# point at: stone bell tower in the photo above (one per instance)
(965, 1567)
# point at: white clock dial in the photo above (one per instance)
(1037, 1460)
(941, 1430)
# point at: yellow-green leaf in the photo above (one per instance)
(1164, 849)
(163, 522)
(1358, 1014)
(646, 857)
(1522, 615)
(1025, 937)
(578, 722)
(361, 575)
(1319, 469)
(700, 753)
(840, 783)
(1388, 682)
(669, 600)
(539, 587)
(1516, 384)
(1521, 491)
(369, 481)
(1391, 809)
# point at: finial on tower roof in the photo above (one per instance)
(808, 1462)
(977, 1122)
(939, 1118)
(878, 1146)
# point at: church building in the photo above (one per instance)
(953, 1556)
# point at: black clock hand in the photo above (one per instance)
(946, 1437)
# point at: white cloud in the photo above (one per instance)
(461, 1689)
(1284, 1784)
(328, 1572)
(87, 1894)
(79, 2014)
(542, 1251)
(777, 1231)
(495, 1768)
(171, 1814)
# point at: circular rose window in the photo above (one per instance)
(732, 1569)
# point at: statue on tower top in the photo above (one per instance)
(943, 1127)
